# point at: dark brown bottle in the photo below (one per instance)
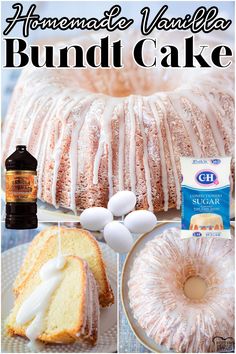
(21, 190)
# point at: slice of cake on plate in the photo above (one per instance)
(72, 311)
(75, 242)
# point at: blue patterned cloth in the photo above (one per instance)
(13, 238)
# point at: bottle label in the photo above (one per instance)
(21, 186)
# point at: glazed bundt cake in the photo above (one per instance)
(95, 132)
(73, 308)
(161, 277)
(74, 242)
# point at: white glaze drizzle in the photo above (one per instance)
(97, 160)
(225, 123)
(73, 152)
(216, 106)
(207, 108)
(172, 155)
(162, 156)
(105, 141)
(21, 118)
(35, 306)
(132, 145)
(145, 156)
(121, 148)
(44, 123)
(99, 152)
(41, 148)
(57, 153)
(176, 104)
(29, 131)
(108, 136)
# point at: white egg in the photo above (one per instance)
(122, 203)
(140, 221)
(94, 219)
(118, 237)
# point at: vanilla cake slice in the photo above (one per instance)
(72, 313)
(75, 242)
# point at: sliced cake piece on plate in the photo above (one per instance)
(72, 309)
(75, 242)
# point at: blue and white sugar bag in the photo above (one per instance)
(205, 197)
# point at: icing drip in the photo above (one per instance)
(34, 308)
(145, 157)
(203, 103)
(105, 141)
(97, 160)
(65, 130)
(73, 153)
(108, 136)
(42, 143)
(132, 146)
(121, 149)
(209, 108)
(162, 157)
(172, 155)
(22, 114)
(29, 130)
(175, 101)
(57, 158)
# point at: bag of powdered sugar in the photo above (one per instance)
(205, 197)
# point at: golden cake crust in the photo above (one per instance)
(42, 241)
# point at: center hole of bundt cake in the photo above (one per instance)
(195, 288)
(123, 82)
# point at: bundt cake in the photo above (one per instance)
(72, 312)
(159, 295)
(95, 132)
(76, 242)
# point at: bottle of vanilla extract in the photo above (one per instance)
(21, 190)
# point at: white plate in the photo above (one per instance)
(107, 342)
(137, 247)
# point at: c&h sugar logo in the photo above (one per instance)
(206, 178)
